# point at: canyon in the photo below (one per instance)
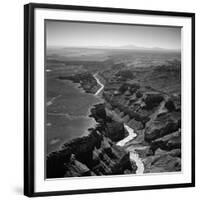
(137, 127)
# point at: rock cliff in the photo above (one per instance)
(95, 154)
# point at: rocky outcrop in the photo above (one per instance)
(115, 131)
(162, 162)
(98, 113)
(170, 105)
(168, 142)
(112, 129)
(152, 100)
(86, 80)
(163, 125)
(164, 138)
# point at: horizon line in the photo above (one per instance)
(128, 47)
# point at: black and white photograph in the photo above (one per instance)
(112, 99)
(109, 100)
(98, 100)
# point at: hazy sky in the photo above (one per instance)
(63, 33)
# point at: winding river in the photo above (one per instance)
(98, 81)
(133, 154)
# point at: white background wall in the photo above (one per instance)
(11, 99)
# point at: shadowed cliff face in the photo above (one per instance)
(112, 129)
(95, 154)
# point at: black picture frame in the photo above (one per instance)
(29, 95)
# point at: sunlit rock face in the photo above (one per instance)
(163, 125)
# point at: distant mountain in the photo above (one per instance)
(125, 47)
(134, 47)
